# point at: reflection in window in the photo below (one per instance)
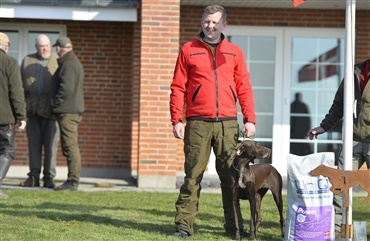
(23, 37)
(317, 70)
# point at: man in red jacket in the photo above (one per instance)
(209, 77)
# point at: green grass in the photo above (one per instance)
(129, 215)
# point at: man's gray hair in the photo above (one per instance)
(211, 9)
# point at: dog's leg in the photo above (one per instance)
(235, 203)
(279, 203)
(346, 195)
(259, 196)
(236, 208)
(252, 204)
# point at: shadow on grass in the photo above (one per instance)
(61, 212)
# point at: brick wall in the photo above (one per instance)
(159, 48)
(127, 94)
(105, 50)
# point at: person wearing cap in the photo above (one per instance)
(67, 103)
(37, 71)
(12, 107)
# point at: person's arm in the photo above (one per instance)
(66, 84)
(20, 125)
(16, 94)
(177, 97)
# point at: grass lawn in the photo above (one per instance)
(127, 215)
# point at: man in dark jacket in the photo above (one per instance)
(37, 72)
(12, 107)
(68, 105)
(361, 127)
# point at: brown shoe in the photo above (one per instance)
(30, 182)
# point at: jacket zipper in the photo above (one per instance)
(216, 83)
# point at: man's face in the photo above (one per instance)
(43, 48)
(212, 26)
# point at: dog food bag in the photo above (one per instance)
(310, 212)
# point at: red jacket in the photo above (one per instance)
(209, 86)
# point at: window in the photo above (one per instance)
(23, 36)
(289, 64)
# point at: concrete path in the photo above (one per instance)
(210, 184)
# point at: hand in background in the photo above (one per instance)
(20, 125)
(314, 132)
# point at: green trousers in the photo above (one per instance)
(200, 137)
(68, 125)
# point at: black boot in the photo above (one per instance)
(5, 161)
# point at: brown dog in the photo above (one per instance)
(252, 182)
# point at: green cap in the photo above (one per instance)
(62, 42)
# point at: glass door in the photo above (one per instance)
(295, 73)
(315, 77)
(262, 56)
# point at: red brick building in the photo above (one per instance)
(129, 49)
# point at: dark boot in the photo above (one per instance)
(5, 161)
(31, 182)
(48, 183)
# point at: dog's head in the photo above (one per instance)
(252, 149)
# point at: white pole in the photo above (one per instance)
(349, 105)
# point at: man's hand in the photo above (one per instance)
(20, 125)
(314, 132)
(249, 129)
(178, 130)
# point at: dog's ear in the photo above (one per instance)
(261, 152)
(246, 149)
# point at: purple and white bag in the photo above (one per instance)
(310, 213)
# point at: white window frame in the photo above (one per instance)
(282, 85)
(24, 28)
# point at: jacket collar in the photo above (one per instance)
(201, 36)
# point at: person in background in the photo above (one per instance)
(361, 127)
(299, 126)
(68, 105)
(37, 71)
(12, 107)
(209, 77)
